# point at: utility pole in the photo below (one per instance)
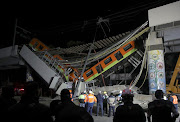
(14, 38)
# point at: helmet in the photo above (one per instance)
(85, 92)
(90, 92)
(120, 92)
(105, 92)
(127, 92)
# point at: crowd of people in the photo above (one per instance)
(121, 107)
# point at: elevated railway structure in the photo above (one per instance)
(58, 72)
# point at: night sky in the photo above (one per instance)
(57, 24)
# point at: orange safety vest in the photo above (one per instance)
(175, 99)
(91, 98)
(86, 98)
(71, 96)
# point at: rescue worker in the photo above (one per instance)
(90, 102)
(161, 110)
(111, 102)
(82, 100)
(129, 112)
(71, 95)
(86, 99)
(174, 100)
(119, 98)
(105, 96)
(100, 103)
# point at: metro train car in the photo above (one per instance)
(37, 45)
(70, 73)
(109, 61)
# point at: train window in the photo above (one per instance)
(35, 45)
(75, 74)
(127, 47)
(89, 73)
(69, 70)
(108, 60)
(118, 55)
(41, 47)
(99, 68)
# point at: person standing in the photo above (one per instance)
(111, 102)
(129, 112)
(29, 109)
(71, 95)
(6, 101)
(67, 111)
(82, 100)
(105, 96)
(174, 100)
(86, 99)
(90, 102)
(119, 98)
(100, 103)
(161, 110)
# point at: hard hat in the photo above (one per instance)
(100, 92)
(105, 92)
(120, 92)
(90, 92)
(85, 92)
(128, 92)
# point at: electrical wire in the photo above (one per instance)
(100, 54)
(71, 27)
(142, 65)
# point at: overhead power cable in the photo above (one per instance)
(109, 50)
(115, 18)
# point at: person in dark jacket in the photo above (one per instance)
(161, 110)
(100, 103)
(105, 96)
(54, 107)
(6, 101)
(69, 112)
(129, 112)
(112, 102)
(29, 109)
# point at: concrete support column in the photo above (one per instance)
(156, 66)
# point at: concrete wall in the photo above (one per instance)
(164, 14)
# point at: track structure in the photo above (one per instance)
(105, 58)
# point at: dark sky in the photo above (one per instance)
(57, 23)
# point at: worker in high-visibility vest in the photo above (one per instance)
(86, 99)
(82, 100)
(174, 100)
(71, 95)
(91, 100)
